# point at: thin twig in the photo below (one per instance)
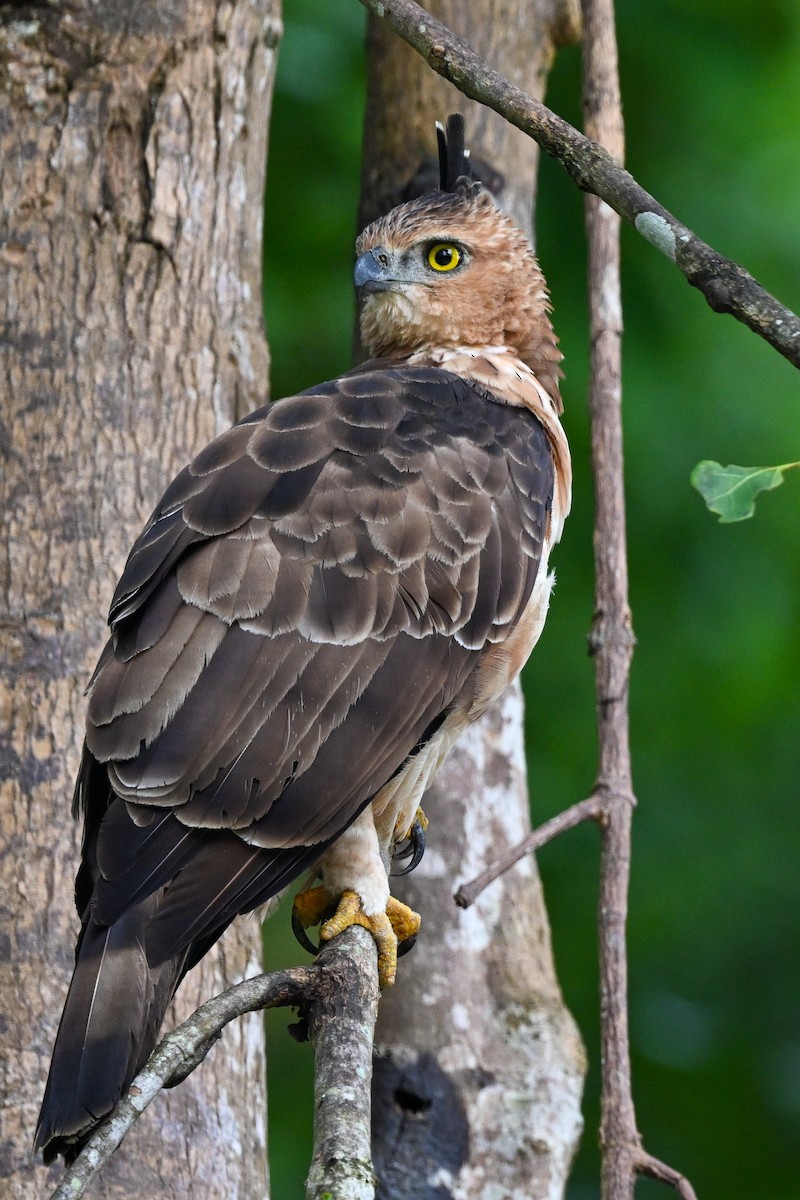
(612, 638)
(647, 1165)
(585, 810)
(726, 286)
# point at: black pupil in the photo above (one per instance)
(443, 256)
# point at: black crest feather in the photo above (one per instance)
(454, 164)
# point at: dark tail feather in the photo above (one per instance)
(111, 1020)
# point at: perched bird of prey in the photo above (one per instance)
(320, 604)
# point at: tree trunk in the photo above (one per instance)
(480, 1067)
(132, 154)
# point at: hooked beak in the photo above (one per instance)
(373, 272)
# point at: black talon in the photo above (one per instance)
(415, 849)
(406, 945)
(298, 929)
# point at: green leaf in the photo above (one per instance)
(731, 491)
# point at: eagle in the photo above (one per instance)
(320, 604)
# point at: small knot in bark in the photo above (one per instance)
(718, 295)
(611, 634)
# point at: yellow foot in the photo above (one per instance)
(311, 905)
(398, 923)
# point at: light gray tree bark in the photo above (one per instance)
(132, 161)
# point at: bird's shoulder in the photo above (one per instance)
(318, 511)
(384, 527)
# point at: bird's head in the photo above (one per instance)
(449, 269)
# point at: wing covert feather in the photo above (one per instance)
(311, 594)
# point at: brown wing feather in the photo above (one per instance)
(311, 595)
(314, 590)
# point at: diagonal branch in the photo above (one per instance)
(647, 1165)
(338, 1000)
(177, 1055)
(591, 809)
(726, 286)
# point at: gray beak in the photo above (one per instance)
(373, 272)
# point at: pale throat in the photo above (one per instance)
(400, 323)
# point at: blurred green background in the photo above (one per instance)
(712, 107)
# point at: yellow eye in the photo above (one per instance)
(444, 256)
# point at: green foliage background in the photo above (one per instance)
(712, 96)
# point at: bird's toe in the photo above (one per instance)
(397, 924)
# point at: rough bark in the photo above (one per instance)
(132, 149)
(479, 1066)
(341, 1024)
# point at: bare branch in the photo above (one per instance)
(612, 638)
(338, 998)
(726, 286)
(586, 810)
(342, 1027)
(177, 1056)
(647, 1165)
